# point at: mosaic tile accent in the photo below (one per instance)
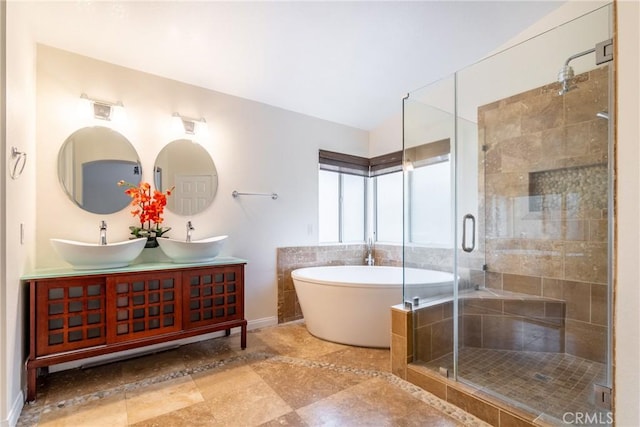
(550, 383)
(571, 189)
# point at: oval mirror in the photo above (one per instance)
(187, 166)
(91, 162)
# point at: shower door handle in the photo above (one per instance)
(464, 233)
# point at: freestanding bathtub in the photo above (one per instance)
(351, 304)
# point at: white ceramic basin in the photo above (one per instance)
(194, 251)
(87, 256)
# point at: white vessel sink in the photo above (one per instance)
(203, 250)
(88, 256)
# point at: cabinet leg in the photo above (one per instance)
(243, 336)
(227, 332)
(32, 374)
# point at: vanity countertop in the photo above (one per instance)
(47, 273)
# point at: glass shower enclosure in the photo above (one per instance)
(523, 220)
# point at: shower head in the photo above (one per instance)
(603, 115)
(566, 72)
(564, 76)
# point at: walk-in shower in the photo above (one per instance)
(528, 321)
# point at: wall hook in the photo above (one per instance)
(19, 160)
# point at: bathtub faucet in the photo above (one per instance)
(369, 260)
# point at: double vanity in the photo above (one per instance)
(75, 314)
(120, 296)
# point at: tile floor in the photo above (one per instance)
(284, 377)
(549, 383)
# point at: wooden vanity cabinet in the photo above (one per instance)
(78, 315)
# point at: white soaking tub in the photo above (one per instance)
(351, 304)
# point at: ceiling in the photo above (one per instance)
(347, 62)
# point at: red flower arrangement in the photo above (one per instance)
(149, 208)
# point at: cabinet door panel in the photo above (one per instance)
(71, 314)
(143, 305)
(212, 295)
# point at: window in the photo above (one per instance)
(329, 207)
(430, 204)
(429, 191)
(353, 208)
(344, 182)
(388, 207)
(342, 197)
(341, 207)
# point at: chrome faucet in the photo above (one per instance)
(189, 230)
(103, 233)
(369, 260)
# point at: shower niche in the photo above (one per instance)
(569, 189)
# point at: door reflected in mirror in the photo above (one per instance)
(187, 166)
(91, 162)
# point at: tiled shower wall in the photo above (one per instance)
(544, 186)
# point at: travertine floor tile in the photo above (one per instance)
(218, 383)
(301, 385)
(373, 403)
(252, 405)
(107, 412)
(294, 340)
(198, 414)
(290, 419)
(255, 343)
(161, 398)
(359, 357)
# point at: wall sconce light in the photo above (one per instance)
(189, 125)
(102, 110)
